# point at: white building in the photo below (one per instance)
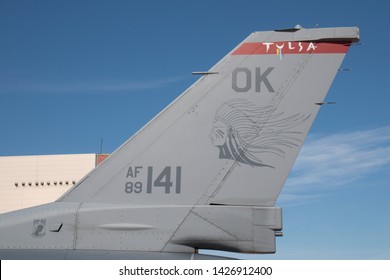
(27, 181)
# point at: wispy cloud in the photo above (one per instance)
(336, 160)
(86, 86)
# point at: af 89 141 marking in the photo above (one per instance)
(165, 180)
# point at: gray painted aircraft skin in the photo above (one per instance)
(205, 173)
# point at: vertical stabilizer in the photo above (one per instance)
(233, 136)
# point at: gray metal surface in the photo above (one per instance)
(204, 173)
(54, 254)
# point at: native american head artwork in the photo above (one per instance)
(243, 131)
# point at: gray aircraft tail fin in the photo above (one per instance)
(233, 136)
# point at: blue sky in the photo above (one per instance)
(73, 72)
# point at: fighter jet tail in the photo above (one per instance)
(233, 136)
(206, 172)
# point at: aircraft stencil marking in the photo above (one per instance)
(163, 180)
(133, 174)
(39, 227)
(247, 74)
